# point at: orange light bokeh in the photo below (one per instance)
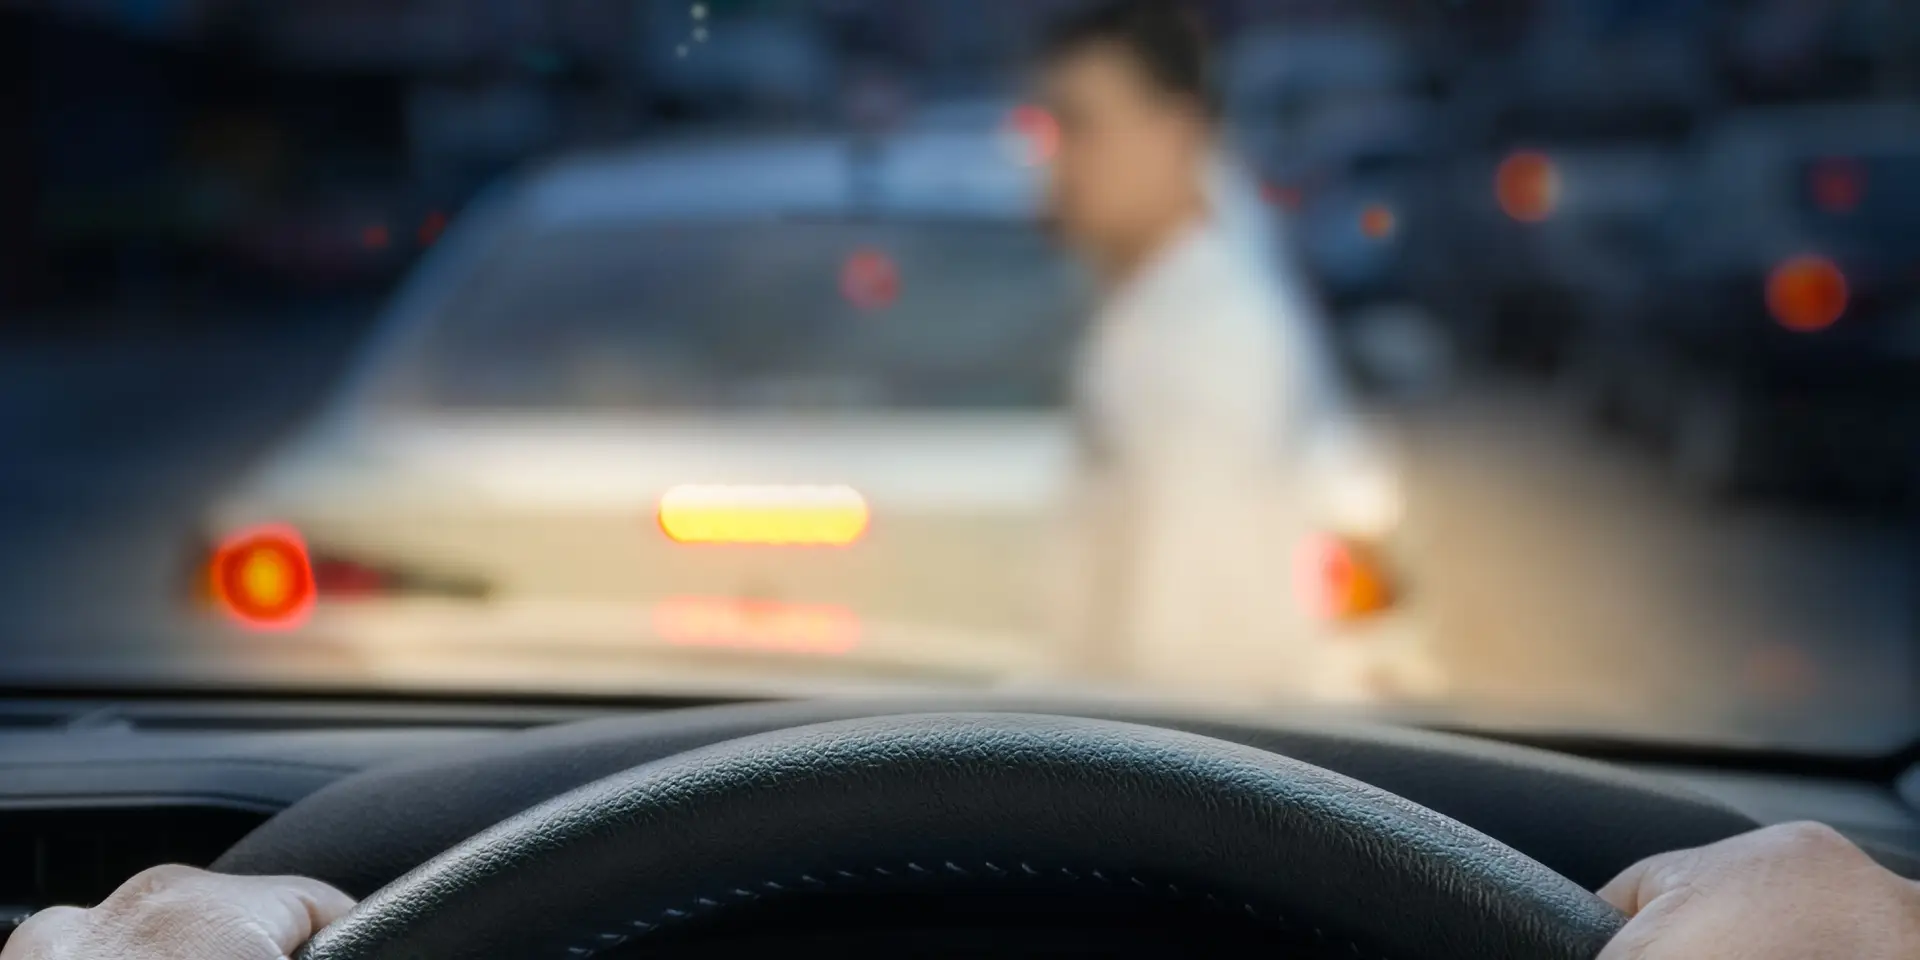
(1528, 187)
(814, 629)
(375, 237)
(262, 578)
(1377, 222)
(1336, 580)
(1807, 294)
(833, 516)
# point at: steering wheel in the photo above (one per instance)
(868, 808)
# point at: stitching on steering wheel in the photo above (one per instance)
(701, 906)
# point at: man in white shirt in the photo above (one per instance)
(1200, 388)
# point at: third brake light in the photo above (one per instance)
(818, 516)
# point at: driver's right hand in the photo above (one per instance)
(1795, 892)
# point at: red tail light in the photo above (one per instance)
(263, 579)
(1807, 294)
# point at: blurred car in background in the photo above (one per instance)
(1558, 165)
(338, 239)
(1540, 243)
(1333, 119)
(1356, 198)
(1359, 183)
(715, 411)
(1774, 342)
(1278, 82)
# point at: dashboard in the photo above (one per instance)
(93, 790)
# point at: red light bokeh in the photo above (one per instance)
(1527, 186)
(870, 280)
(1807, 294)
(242, 600)
(1284, 197)
(1038, 133)
(1839, 185)
(431, 227)
(1377, 222)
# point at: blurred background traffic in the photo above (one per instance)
(1633, 286)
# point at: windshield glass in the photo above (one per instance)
(1536, 367)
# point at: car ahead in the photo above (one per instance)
(705, 413)
(1774, 342)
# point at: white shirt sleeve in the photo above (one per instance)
(1193, 457)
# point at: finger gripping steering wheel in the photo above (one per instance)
(912, 802)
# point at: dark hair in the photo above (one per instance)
(1164, 37)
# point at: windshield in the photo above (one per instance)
(1530, 367)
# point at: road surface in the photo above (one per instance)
(1566, 576)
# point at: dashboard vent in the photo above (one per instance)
(78, 857)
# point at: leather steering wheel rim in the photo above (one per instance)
(901, 802)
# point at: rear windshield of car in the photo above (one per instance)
(1873, 198)
(771, 315)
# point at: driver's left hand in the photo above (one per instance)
(178, 913)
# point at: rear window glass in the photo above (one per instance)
(772, 315)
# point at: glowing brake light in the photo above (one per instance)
(1807, 294)
(1336, 580)
(262, 578)
(824, 516)
(1528, 187)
